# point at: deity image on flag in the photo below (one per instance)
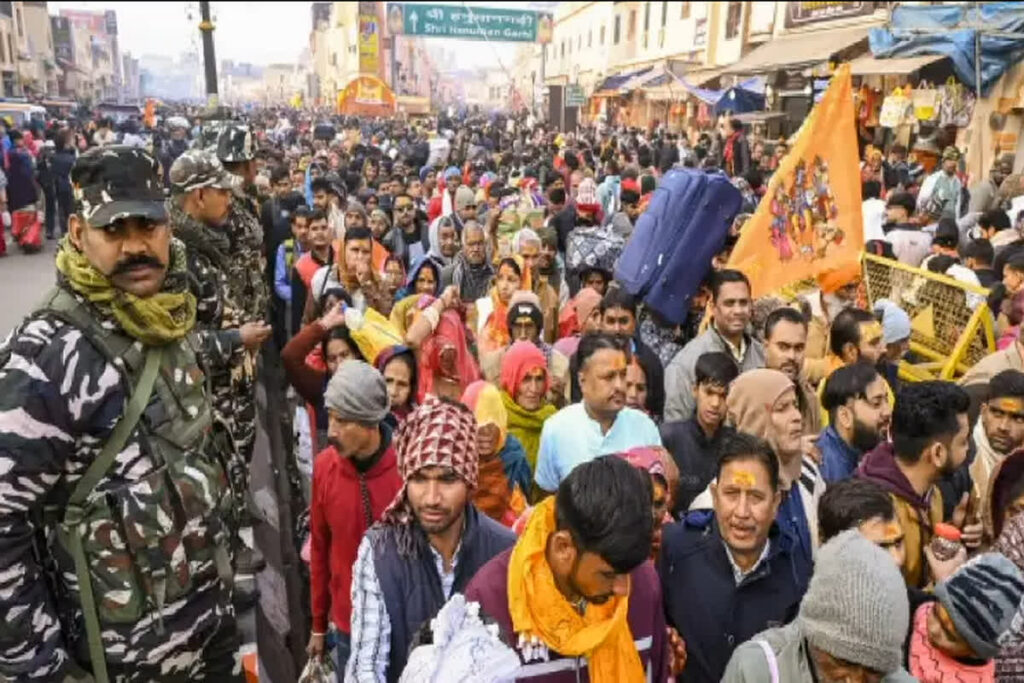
(809, 221)
(804, 213)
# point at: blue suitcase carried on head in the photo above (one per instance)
(670, 250)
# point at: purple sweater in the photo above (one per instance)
(646, 622)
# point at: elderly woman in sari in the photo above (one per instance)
(524, 391)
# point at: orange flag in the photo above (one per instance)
(809, 221)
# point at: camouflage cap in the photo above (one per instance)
(117, 182)
(198, 168)
(235, 143)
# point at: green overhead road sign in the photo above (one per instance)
(472, 23)
(574, 96)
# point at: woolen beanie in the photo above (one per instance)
(464, 196)
(855, 608)
(895, 322)
(982, 598)
(357, 392)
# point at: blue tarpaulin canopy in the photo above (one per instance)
(739, 100)
(951, 30)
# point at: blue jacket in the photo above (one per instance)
(283, 270)
(839, 459)
(712, 614)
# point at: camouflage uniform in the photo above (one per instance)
(152, 540)
(246, 284)
(221, 308)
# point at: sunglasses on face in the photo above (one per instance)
(403, 207)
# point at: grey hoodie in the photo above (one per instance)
(750, 665)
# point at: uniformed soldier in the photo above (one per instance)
(199, 208)
(114, 558)
(245, 269)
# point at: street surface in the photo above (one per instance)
(24, 278)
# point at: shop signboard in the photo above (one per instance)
(369, 44)
(61, 29)
(574, 96)
(804, 13)
(471, 23)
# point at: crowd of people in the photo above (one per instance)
(512, 468)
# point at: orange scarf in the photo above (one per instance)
(495, 333)
(538, 609)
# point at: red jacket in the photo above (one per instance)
(337, 523)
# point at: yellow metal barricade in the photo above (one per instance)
(951, 326)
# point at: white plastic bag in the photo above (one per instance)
(318, 671)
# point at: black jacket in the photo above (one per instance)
(703, 602)
(695, 455)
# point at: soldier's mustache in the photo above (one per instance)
(136, 262)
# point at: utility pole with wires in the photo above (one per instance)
(209, 57)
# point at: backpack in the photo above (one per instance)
(674, 240)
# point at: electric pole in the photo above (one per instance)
(209, 58)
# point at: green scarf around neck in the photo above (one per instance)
(161, 319)
(526, 425)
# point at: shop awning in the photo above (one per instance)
(896, 66)
(611, 86)
(701, 77)
(655, 75)
(798, 50)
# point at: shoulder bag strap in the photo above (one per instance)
(769, 654)
(71, 527)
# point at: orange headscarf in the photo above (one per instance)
(537, 608)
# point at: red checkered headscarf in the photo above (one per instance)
(437, 433)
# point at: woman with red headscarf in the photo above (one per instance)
(438, 333)
(524, 390)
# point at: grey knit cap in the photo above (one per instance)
(357, 392)
(982, 598)
(856, 606)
